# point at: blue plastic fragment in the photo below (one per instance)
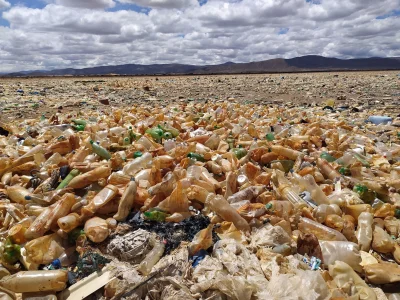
(198, 257)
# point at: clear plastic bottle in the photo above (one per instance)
(347, 252)
(285, 188)
(289, 153)
(88, 178)
(308, 183)
(364, 230)
(322, 232)
(322, 211)
(35, 281)
(126, 202)
(134, 166)
(153, 256)
(102, 198)
(144, 141)
(61, 209)
(221, 207)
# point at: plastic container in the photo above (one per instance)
(127, 200)
(221, 207)
(134, 166)
(364, 231)
(35, 281)
(347, 252)
(100, 151)
(152, 257)
(379, 120)
(96, 229)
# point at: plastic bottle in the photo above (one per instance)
(163, 161)
(17, 194)
(196, 156)
(379, 119)
(55, 159)
(322, 232)
(270, 137)
(134, 166)
(61, 209)
(286, 190)
(156, 133)
(96, 229)
(66, 259)
(102, 198)
(382, 273)
(221, 207)
(35, 281)
(247, 194)
(100, 151)
(289, 153)
(308, 182)
(69, 222)
(364, 230)
(68, 179)
(327, 170)
(37, 228)
(323, 210)
(347, 252)
(152, 257)
(168, 128)
(45, 249)
(127, 200)
(346, 160)
(83, 180)
(202, 240)
(144, 141)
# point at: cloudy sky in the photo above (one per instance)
(50, 34)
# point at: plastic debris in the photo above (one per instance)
(198, 199)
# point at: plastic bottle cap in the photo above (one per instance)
(91, 142)
(56, 263)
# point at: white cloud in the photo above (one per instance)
(94, 4)
(4, 4)
(162, 3)
(60, 36)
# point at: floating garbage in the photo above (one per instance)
(201, 200)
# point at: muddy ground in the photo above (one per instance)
(24, 98)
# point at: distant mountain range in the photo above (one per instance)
(279, 65)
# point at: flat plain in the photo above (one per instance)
(25, 98)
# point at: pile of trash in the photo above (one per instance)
(201, 201)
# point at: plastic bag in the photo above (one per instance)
(269, 236)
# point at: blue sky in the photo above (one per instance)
(49, 34)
